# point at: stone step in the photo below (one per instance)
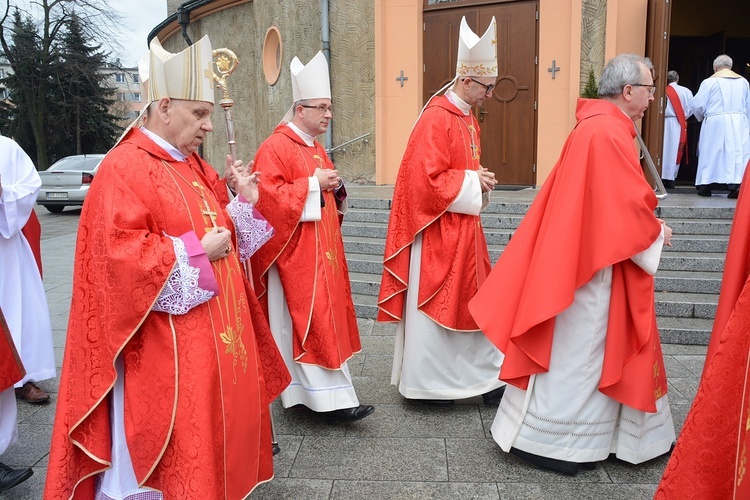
(692, 331)
(692, 261)
(698, 243)
(672, 330)
(686, 305)
(688, 282)
(699, 226)
(677, 212)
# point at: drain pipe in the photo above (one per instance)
(183, 19)
(326, 28)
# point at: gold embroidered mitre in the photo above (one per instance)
(477, 57)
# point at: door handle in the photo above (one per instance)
(482, 112)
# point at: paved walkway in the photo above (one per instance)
(404, 450)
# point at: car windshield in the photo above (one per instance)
(79, 163)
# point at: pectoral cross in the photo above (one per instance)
(474, 150)
(207, 212)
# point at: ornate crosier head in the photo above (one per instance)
(226, 62)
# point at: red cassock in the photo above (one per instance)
(455, 261)
(595, 210)
(11, 368)
(197, 385)
(309, 255)
(711, 457)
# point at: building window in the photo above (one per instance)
(2, 73)
(120, 77)
(121, 96)
(136, 78)
(137, 96)
(3, 94)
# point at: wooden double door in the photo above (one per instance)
(508, 120)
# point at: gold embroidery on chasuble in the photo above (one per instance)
(328, 217)
(230, 305)
(742, 469)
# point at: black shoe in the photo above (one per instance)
(704, 190)
(561, 466)
(733, 194)
(12, 477)
(668, 183)
(440, 403)
(350, 414)
(493, 397)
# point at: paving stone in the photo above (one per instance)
(378, 366)
(645, 473)
(420, 421)
(294, 488)
(482, 460)
(401, 490)
(376, 391)
(378, 459)
(378, 345)
(686, 386)
(565, 491)
(300, 421)
(674, 368)
(283, 461)
(31, 448)
(693, 363)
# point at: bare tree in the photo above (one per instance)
(97, 21)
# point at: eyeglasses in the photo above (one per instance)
(651, 88)
(487, 88)
(320, 107)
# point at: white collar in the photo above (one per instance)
(309, 139)
(464, 106)
(175, 153)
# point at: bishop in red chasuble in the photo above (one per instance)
(435, 253)
(301, 274)
(169, 364)
(570, 302)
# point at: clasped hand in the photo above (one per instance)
(242, 180)
(328, 179)
(486, 179)
(217, 243)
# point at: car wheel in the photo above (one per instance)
(55, 209)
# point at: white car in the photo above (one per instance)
(67, 181)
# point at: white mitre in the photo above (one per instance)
(309, 81)
(477, 57)
(185, 75)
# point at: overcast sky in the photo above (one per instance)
(139, 18)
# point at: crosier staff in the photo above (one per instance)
(226, 62)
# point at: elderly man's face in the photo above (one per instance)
(189, 122)
(640, 94)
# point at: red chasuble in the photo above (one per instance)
(595, 210)
(309, 255)
(11, 368)
(443, 145)
(197, 385)
(712, 455)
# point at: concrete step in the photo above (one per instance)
(686, 305)
(684, 330)
(692, 261)
(699, 226)
(366, 306)
(688, 282)
(678, 212)
(698, 243)
(365, 264)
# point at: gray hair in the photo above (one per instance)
(723, 61)
(621, 70)
(672, 76)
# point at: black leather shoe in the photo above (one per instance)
(12, 477)
(494, 396)
(704, 190)
(668, 183)
(733, 194)
(440, 403)
(561, 466)
(350, 414)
